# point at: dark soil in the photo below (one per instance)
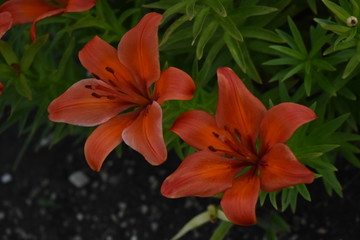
(123, 201)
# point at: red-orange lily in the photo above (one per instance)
(227, 145)
(1, 87)
(124, 79)
(32, 11)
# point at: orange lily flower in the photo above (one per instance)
(128, 78)
(229, 160)
(1, 88)
(27, 11)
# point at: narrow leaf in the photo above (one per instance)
(217, 6)
(8, 53)
(31, 52)
(221, 230)
(195, 222)
(341, 13)
(205, 36)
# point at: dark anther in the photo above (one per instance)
(111, 97)
(95, 76)
(215, 134)
(112, 83)
(237, 132)
(95, 95)
(211, 148)
(110, 70)
(88, 86)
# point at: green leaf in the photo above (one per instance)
(341, 46)
(195, 222)
(105, 12)
(351, 158)
(347, 93)
(302, 189)
(31, 52)
(221, 230)
(312, 5)
(217, 6)
(199, 22)
(323, 64)
(321, 165)
(281, 61)
(262, 197)
(177, 8)
(331, 182)
(172, 28)
(307, 83)
(68, 53)
(249, 11)
(292, 71)
(205, 36)
(190, 9)
(272, 197)
(297, 37)
(209, 61)
(288, 51)
(331, 26)
(230, 28)
(260, 33)
(22, 86)
(351, 66)
(326, 129)
(341, 13)
(8, 53)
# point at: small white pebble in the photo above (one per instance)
(6, 178)
(79, 179)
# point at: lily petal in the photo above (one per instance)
(26, 11)
(6, 22)
(281, 169)
(105, 138)
(138, 50)
(199, 129)
(239, 202)
(50, 13)
(145, 134)
(101, 59)
(174, 84)
(237, 107)
(1, 88)
(79, 6)
(202, 174)
(281, 121)
(88, 102)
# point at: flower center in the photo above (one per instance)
(236, 147)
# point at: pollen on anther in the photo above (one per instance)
(215, 134)
(112, 83)
(95, 76)
(211, 148)
(95, 95)
(110, 70)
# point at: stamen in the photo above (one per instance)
(112, 83)
(88, 87)
(95, 76)
(95, 95)
(110, 70)
(110, 97)
(215, 134)
(211, 148)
